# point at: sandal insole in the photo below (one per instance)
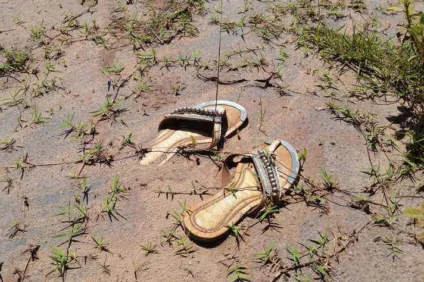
(169, 140)
(210, 219)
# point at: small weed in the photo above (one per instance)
(148, 249)
(322, 271)
(17, 227)
(117, 188)
(385, 220)
(120, 7)
(62, 261)
(138, 268)
(238, 273)
(311, 195)
(18, 20)
(329, 182)
(393, 247)
(390, 217)
(128, 141)
(8, 145)
(21, 164)
(283, 57)
(109, 206)
(169, 237)
(265, 257)
(68, 125)
(143, 87)
(16, 61)
(100, 244)
(114, 69)
(178, 218)
(109, 110)
(358, 5)
(321, 241)
(9, 184)
(38, 34)
(117, 192)
(303, 156)
(16, 99)
(76, 230)
(96, 154)
(295, 256)
(268, 212)
(105, 267)
(184, 208)
(37, 117)
(82, 130)
(184, 247)
(85, 188)
(236, 232)
(216, 156)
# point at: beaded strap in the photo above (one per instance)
(269, 175)
(197, 114)
(219, 112)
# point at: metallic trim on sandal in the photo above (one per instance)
(295, 161)
(243, 112)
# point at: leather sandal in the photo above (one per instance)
(197, 128)
(260, 179)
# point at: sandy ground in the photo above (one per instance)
(297, 116)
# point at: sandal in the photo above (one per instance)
(201, 127)
(260, 179)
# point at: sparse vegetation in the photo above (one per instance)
(267, 47)
(238, 273)
(100, 244)
(16, 61)
(149, 248)
(117, 193)
(387, 70)
(62, 261)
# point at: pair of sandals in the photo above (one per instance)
(260, 178)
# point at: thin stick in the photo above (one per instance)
(218, 60)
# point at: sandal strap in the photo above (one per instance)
(204, 115)
(225, 170)
(200, 114)
(266, 172)
(268, 176)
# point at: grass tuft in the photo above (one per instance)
(16, 61)
(385, 69)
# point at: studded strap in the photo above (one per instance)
(266, 172)
(204, 115)
(198, 114)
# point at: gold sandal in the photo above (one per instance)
(260, 179)
(201, 127)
